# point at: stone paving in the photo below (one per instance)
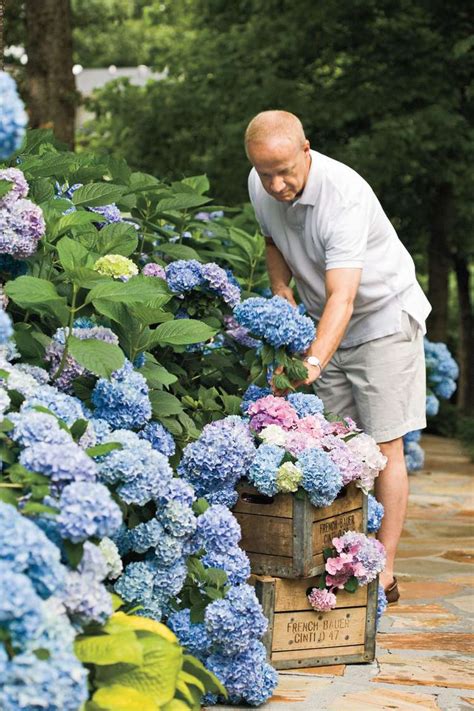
(424, 642)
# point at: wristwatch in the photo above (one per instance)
(314, 360)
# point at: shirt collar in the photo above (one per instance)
(311, 189)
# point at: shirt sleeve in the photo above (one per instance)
(254, 199)
(347, 239)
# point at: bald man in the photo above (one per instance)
(325, 228)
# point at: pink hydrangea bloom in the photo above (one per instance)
(373, 461)
(271, 410)
(341, 428)
(347, 462)
(297, 442)
(312, 425)
(322, 600)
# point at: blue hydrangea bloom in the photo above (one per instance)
(233, 622)
(123, 400)
(63, 463)
(432, 405)
(159, 437)
(277, 322)
(33, 427)
(219, 457)
(13, 118)
(136, 583)
(66, 407)
(374, 515)
(28, 550)
(321, 477)
(306, 404)
(191, 636)
(6, 328)
(87, 510)
(263, 471)
(234, 562)
(169, 581)
(247, 676)
(86, 599)
(216, 279)
(178, 519)
(169, 550)
(146, 535)
(93, 562)
(414, 456)
(177, 490)
(20, 606)
(184, 275)
(226, 497)
(217, 530)
(413, 436)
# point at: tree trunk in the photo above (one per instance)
(439, 265)
(466, 337)
(51, 83)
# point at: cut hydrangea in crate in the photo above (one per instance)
(330, 618)
(285, 535)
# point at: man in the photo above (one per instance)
(324, 227)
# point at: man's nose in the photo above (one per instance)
(277, 185)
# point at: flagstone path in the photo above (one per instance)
(425, 642)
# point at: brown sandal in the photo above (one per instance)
(392, 593)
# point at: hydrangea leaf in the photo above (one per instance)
(164, 404)
(199, 183)
(197, 669)
(157, 676)
(140, 289)
(100, 358)
(122, 698)
(179, 251)
(181, 332)
(72, 254)
(119, 648)
(38, 295)
(144, 624)
(5, 187)
(183, 201)
(74, 219)
(116, 238)
(97, 194)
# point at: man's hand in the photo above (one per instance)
(286, 293)
(313, 374)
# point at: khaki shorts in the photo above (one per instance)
(381, 384)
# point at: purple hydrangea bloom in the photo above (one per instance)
(110, 212)
(21, 227)
(240, 334)
(381, 604)
(216, 279)
(154, 270)
(19, 187)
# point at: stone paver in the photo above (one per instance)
(424, 641)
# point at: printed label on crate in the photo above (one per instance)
(325, 531)
(307, 630)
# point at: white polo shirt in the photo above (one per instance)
(338, 222)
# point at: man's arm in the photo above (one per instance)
(341, 290)
(278, 271)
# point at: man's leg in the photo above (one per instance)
(391, 489)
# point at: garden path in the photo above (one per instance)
(424, 641)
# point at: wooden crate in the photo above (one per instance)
(285, 536)
(298, 636)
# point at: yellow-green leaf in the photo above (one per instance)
(135, 622)
(123, 698)
(122, 647)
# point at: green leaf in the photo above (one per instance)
(140, 289)
(96, 194)
(74, 552)
(100, 358)
(157, 676)
(72, 254)
(52, 164)
(78, 428)
(120, 648)
(100, 449)
(199, 183)
(182, 201)
(156, 375)
(117, 238)
(123, 698)
(6, 425)
(5, 187)
(352, 584)
(41, 190)
(181, 332)
(197, 669)
(164, 404)
(38, 295)
(179, 251)
(8, 496)
(74, 219)
(32, 507)
(175, 705)
(200, 506)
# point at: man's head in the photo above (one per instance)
(279, 151)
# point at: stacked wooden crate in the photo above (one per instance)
(284, 537)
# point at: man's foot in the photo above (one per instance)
(391, 592)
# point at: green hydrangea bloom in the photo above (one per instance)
(116, 266)
(288, 477)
